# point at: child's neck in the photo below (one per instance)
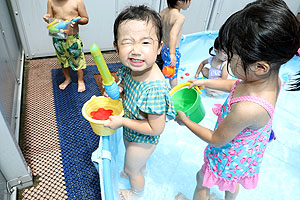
(178, 9)
(269, 83)
(218, 60)
(141, 75)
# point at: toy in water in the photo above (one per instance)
(272, 136)
(298, 53)
(168, 71)
(101, 102)
(101, 114)
(188, 101)
(110, 85)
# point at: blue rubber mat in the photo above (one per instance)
(77, 139)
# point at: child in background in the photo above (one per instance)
(217, 64)
(146, 99)
(69, 51)
(172, 21)
(217, 67)
(256, 45)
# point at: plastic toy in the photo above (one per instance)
(109, 82)
(272, 136)
(63, 25)
(188, 101)
(169, 71)
(102, 114)
(57, 26)
(101, 102)
(298, 52)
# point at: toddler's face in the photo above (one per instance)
(137, 44)
(221, 55)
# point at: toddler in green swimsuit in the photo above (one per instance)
(146, 99)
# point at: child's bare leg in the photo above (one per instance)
(136, 157)
(81, 85)
(232, 196)
(66, 72)
(126, 143)
(201, 192)
(173, 82)
(123, 174)
(143, 171)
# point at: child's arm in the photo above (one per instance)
(153, 125)
(173, 37)
(242, 115)
(82, 13)
(218, 84)
(224, 71)
(204, 62)
(49, 12)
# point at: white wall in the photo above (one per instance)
(37, 43)
(13, 167)
(99, 30)
(201, 16)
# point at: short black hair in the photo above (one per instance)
(142, 13)
(173, 3)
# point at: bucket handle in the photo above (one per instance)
(177, 87)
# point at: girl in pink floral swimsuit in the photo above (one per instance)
(256, 45)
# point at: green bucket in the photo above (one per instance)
(188, 101)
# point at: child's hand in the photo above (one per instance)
(180, 117)
(46, 17)
(120, 90)
(114, 122)
(173, 60)
(197, 82)
(73, 23)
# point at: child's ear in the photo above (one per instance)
(262, 68)
(116, 47)
(160, 47)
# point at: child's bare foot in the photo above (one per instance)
(129, 194)
(81, 86)
(180, 196)
(63, 85)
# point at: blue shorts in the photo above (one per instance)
(165, 54)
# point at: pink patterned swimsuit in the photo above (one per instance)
(239, 160)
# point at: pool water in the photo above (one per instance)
(179, 155)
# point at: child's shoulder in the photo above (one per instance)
(171, 12)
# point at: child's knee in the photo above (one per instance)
(131, 172)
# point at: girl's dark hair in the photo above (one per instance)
(216, 46)
(265, 30)
(142, 13)
(173, 3)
